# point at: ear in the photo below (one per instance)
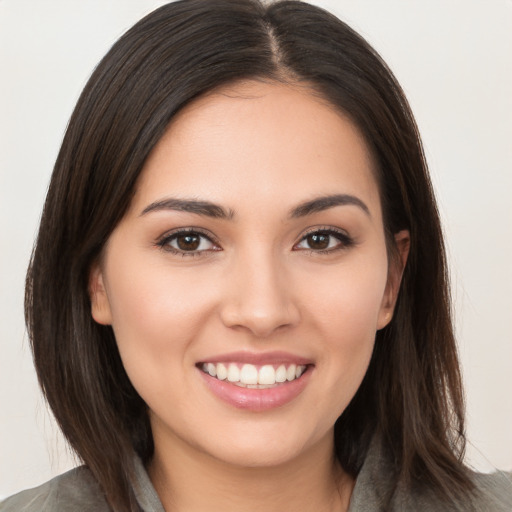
(100, 305)
(395, 272)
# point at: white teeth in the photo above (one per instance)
(233, 373)
(222, 372)
(212, 370)
(249, 375)
(281, 374)
(267, 375)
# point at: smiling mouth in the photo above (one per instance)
(252, 376)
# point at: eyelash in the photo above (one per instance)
(164, 242)
(345, 241)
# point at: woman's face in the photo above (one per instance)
(247, 280)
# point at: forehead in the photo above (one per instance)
(259, 142)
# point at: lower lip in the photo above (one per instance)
(256, 399)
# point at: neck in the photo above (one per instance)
(191, 481)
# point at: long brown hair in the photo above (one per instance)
(411, 396)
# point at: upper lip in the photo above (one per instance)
(258, 358)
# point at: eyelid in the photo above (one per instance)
(163, 241)
(324, 229)
(345, 240)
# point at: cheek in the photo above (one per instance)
(146, 295)
(156, 314)
(344, 315)
(346, 302)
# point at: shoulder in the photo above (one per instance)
(376, 491)
(74, 491)
(494, 491)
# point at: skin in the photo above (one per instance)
(258, 286)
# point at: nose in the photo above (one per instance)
(259, 297)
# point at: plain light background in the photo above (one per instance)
(454, 60)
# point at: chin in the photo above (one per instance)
(255, 456)
(264, 449)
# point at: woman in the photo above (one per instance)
(238, 295)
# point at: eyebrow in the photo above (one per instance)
(192, 206)
(216, 211)
(325, 202)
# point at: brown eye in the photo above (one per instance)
(318, 241)
(325, 240)
(188, 242)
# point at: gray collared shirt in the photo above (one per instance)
(78, 491)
